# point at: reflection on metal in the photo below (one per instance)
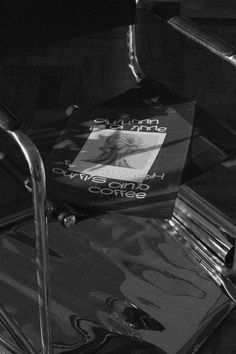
(10, 124)
(206, 39)
(151, 284)
(28, 241)
(209, 250)
(202, 256)
(70, 110)
(21, 344)
(133, 316)
(27, 184)
(132, 55)
(96, 339)
(16, 218)
(39, 202)
(8, 346)
(67, 219)
(211, 235)
(219, 224)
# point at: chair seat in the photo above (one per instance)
(116, 280)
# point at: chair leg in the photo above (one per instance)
(10, 125)
(133, 62)
(37, 173)
(21, 344)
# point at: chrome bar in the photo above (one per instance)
(218, 220)
(212, 43)
(21, 345)
(203, 228)
(132, 55)
(198, 248)
(206, 39)
(9, 347)
(15, 218)
(37, 172)
(213, 266)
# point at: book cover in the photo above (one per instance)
(122, 158)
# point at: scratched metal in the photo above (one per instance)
(118, 285)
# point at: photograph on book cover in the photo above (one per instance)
(119, 154)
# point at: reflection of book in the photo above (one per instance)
(124, 155)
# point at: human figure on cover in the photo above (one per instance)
(117, 148)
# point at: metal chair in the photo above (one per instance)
(11, 125)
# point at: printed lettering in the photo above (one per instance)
(135, 128)
(130, 185)
(116, 185)
(106, 191)
(117, 127)
(141, 195)
(97, 179)
(162, 129)
(94, 189)
(82, 176)
(101, 120)
(119, 192)
(131, 194)
(154, 175)
(87, 177)
(143, 187)
(148, 124)
(72, 175)
(162, 176)
(116, 192)
(144, 127)
(153, 121)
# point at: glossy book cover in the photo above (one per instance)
(122, 158)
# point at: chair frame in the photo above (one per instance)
(38, 182)
(37, 173)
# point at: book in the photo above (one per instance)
(126, 158)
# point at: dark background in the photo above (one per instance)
(40, 84)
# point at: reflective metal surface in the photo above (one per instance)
(195, 226)
(117, 282)
(193, 218)
(19, 343)
(132, 55)
(39, 201)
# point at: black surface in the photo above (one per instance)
(33, 25)
(8, 120)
